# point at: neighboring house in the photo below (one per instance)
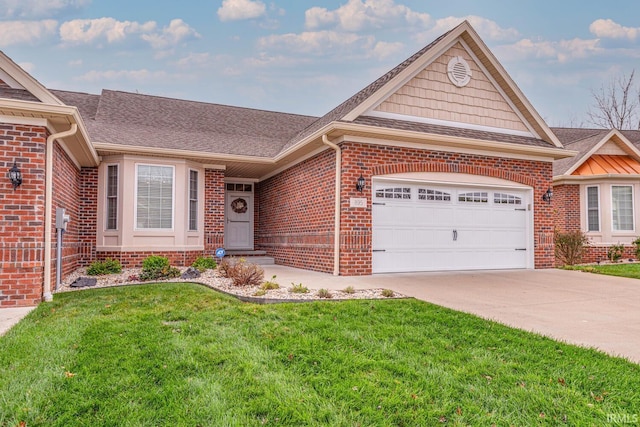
(598, 190)
(440, 164)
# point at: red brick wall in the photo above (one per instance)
(134, 259)
(213, 210)
(566, 207)
(22, 215)
(599, 253)
(88, 215)
(295, 224)
(66, 195)
(296, 210)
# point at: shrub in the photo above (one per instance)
(387, 293)
(615, 252)
(204, 263)
(324, 293)
(108, 266)
(349, 290)
(260, 293)
(242, 273)
(299, 289)
(270, 284)
(570, 246)
(157, 267)
(636, 243)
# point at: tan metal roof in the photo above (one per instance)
(604, 164)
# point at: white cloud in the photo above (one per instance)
(86, 31)
(606, 28)
(234, 10)
(562, 51)
(176, 32)
(357, 15)
(194, 60)
(316, 42)
(38, 8)
(26, 32)
(486, 28)
(29, 67)
(130, 75)
(383, 50)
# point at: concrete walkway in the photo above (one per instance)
(591, 310)
(11, 316)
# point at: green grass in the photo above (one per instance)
(631, 270)
(184, 355)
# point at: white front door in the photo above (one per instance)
(431, 227)
(239, 216)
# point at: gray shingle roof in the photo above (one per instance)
(18, 94)
(452, 131)
(152, 121)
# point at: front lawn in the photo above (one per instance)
(631, 270)
(184, 355)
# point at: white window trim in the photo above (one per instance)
(173, 199)
(106, 198)
(189, 170)
(586, 202)
(633, 209)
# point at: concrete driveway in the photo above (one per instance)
(591, 310)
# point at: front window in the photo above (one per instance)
(154, 197)
(593, 209)
(193, 200)
(622, 207)
(112, 197)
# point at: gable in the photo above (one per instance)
(606, 164)
(431, 95)
(613, 148)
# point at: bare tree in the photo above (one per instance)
(617, 105)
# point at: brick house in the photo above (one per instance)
(440, 164)
(597, 190)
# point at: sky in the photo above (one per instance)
(307, 56)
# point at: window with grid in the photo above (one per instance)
(474, 197)
(112, 197)
(193, 200)
(433, 195)
(394, 193)
(506, 199)
(593, 209)
(154, 197)
(622, 207)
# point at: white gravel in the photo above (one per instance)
(212, 279)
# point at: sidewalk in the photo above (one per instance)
(11, 316)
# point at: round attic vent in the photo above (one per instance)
(459, 71)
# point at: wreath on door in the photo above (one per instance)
(239, 206)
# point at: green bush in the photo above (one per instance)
(636, 243)
(349, 290)
(270, 284)
(324, 293)
(388, 293)
(615, 252)
(570, 246)
(157, 267)
(108, 266)
(299, 289)
(204, 263)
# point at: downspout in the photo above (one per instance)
(336, 237)
(48, 202)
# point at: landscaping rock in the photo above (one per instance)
(83, 282)
(190, 273)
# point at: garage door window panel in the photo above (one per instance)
(474, 197)
(429, 194)
(506, 199)
(395, 193)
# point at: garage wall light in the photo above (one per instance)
(548, 195)
(360, 184)
(15, 176)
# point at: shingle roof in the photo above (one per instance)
(87, 103)
(152, 121)
(452, 131)
(576, 139)
(19, 94)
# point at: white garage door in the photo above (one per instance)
(423, 227)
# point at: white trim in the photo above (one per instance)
(438, 122)
(633, 208)
(25, 121)
(176, 248)
(598, 145)
(198, 202)
(586, 199)
(230, 179)
(215, 167)
(453, 179)
(173, 199)
(24, 79)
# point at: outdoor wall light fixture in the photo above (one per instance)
(360, 184)
(548, 195)
(15, 176)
